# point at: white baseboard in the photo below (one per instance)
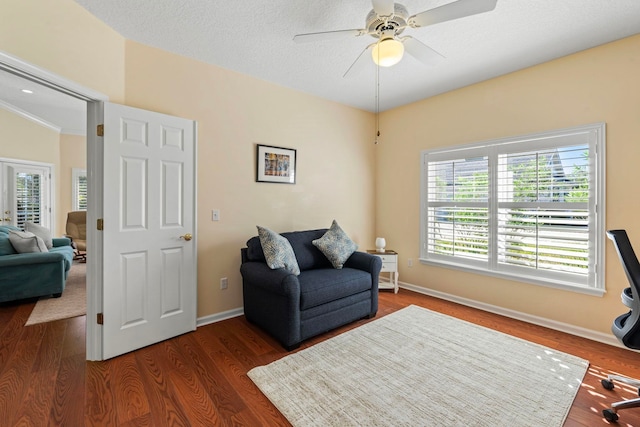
(218, 317)
(609, 339)
(536, 320)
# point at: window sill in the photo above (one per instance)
(518, 278)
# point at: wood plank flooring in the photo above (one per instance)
(199, 379)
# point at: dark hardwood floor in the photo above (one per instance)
(199, 379)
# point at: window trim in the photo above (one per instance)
(48, 218)
(595, 136)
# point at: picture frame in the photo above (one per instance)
(276, 164)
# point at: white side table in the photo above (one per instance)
(389, 265)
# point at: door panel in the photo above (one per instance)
(172, 185)
(171, 281)
(134, 193)
(149, 279)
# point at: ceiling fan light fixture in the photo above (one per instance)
(387, 52)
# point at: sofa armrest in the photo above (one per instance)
(29, 259)
(272, 301)
(366, 262)
(61, 241)
(279, 281)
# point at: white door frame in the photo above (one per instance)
(94, 101)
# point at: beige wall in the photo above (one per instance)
(73, 154)
(234, 112)
(597, 85)
(26, 140)
(23, 139)
(335, 159)
(336, 176)
(65, 39)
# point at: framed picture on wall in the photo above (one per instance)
(276, 164)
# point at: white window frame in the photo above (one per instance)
(48, 197)
(76, 174)
(592, 135)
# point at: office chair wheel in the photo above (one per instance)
(609, 415)
(607, 384)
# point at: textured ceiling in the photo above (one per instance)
(254, 37)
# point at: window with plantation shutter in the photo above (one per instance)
(524, 208)
(458, 208)
(79, 190)
(26, 195)
(28, 198)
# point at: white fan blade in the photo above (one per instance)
(327, 35)
(361, 62)
(421, 51)
(455, 10)
(383, 7)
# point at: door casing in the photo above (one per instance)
(95, 177)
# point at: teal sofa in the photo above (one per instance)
(30, 275)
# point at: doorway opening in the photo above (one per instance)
(93, 100)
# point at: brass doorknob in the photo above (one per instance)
(187, 237)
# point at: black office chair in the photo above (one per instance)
(627, 326)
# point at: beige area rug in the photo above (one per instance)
(72, 303)
(416, 367)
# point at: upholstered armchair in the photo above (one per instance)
(317, 297)
(77, 232)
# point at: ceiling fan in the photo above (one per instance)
(388, 20)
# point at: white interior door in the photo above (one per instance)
(149, 270)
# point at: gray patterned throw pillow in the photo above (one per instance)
(336, 245)
(278, 251)
(24, 242)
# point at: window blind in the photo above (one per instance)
(522, 207)
(28, 198)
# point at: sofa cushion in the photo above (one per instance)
(277, 251)
(307, 254)
(7, 228)
(254, 250)
(336, 245)
(40, 231)
(25, 242)
(6, 248)
(321, 286)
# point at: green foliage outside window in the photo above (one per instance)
(531, 236)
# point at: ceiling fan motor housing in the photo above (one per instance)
(395, 23)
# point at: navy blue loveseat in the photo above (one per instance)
(293, 308)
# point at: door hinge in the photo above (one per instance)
(100, 319)
(100, 224)
(100, 130)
